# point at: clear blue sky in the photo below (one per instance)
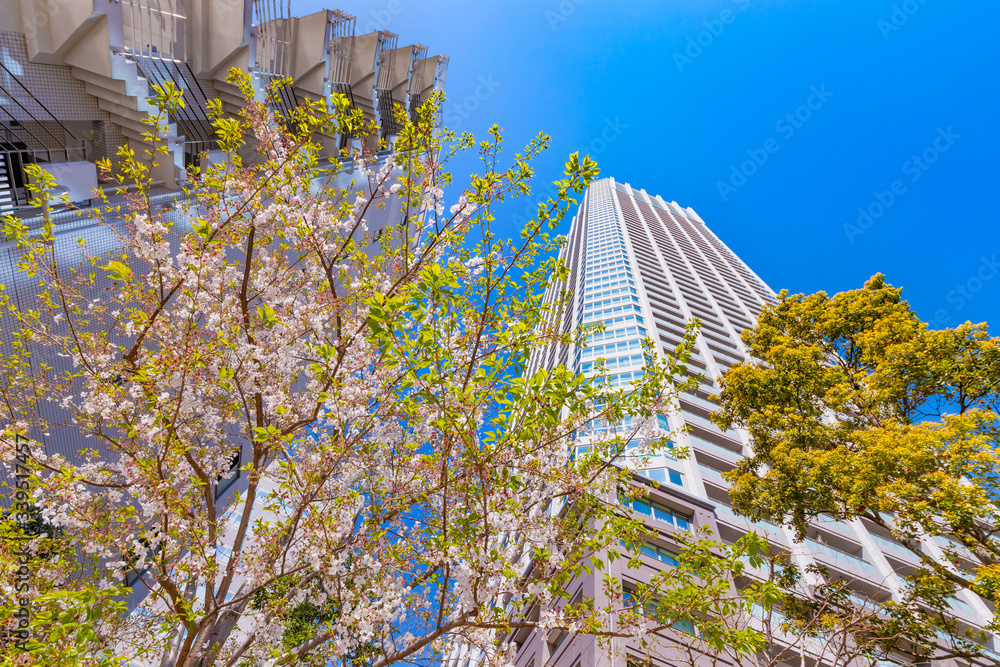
(689, 89)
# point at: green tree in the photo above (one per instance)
(860, 411)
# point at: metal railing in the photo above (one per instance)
(13, 179)
(340, 52)
(38, 130)
(29, 133)
(272, 21)
(281, 96)
(192, 118)
(415, 83)
(841, 557)
(385, 63)
(155, 28)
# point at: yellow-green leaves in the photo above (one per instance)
(267, 316)
(859, 410)
(169, 96)
(117, 270)
(229, 133)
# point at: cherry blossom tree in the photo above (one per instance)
(398, 468)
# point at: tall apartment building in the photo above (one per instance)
(644, 267)
(76, 82)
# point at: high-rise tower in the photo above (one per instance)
(644, 267)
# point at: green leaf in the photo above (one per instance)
(119, 271)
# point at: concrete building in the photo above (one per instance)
(76, 78)
(76, 82)
(645, 266)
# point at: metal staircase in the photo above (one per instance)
(120, 49)
(7, 194)
(29, 133)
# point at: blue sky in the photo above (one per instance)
(883, 105)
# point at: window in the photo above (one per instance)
(662, 475)
(661, 513)
(615, 363)
(673, 517)
(556, 640)
(660, 554)
(658, 474)
(654, 610)
(684, 626)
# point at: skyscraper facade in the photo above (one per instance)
(644, 267)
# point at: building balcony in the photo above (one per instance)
(78, 88)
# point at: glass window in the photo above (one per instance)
(667, 557)
(676, 478)
(684, 626)
(673, 516)
(663, 514)
(628, 599)
(659, 475)
(642, 506)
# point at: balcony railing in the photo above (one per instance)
(842, 556)
(155, 28)
(770, 529)
(192, 117)
(385, 59)
(29, 133)
(726, 453)
(340, 52)
(272, 20)
(892, 547)
(418, 67)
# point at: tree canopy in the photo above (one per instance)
(860, 411)
(406, 484)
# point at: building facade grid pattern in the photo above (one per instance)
(645, 267)
(52, 86)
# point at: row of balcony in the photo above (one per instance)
(119, 50)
